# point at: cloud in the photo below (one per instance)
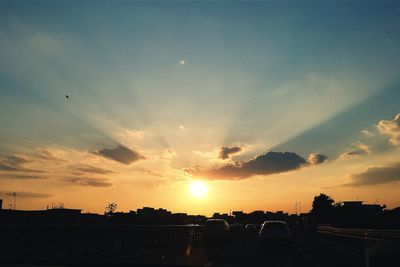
(15, 164)
(391, 128)
(44, 154)
(91, 169)
(95, 182)
(226, 151)
(315, 158)
(24, 194)
(376, 175)
(367, 133)
(153, 173)
(120, 154)
(362, 149)
(266, 164)
(20, 176)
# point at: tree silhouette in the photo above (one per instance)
(110, 209)
(322, 207)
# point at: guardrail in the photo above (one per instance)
(360, 233)
(70, 243)
(380, 247)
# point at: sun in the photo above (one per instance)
(198, 189)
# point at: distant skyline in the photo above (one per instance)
(199, 107)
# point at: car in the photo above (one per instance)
(216, 230)
(251, 228)
(236, 228)
(275, 233)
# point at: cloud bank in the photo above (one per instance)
(376, 175)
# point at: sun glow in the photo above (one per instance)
(198, 189)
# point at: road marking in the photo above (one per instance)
(189, 250)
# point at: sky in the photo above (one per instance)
(260, 104)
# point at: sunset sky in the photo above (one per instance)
(199, 107)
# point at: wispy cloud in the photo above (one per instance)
(94, 182)
(361, 149)
(16, 164)
(45, 154)
(153, 173)
(20, 176)
(26, 194)
(84, 168)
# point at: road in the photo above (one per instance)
(308, 250)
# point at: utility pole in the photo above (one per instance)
(296, 208)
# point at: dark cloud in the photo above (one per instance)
(95, 182)
(391, 128)
(315, 158)
(15, 164)
(376, 175)
(120, 154)
(24, 194)
(226, 151)
(91, 169)
(266, 164)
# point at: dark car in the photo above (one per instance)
(216, 230)
(275, 233)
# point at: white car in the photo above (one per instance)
(275, 233)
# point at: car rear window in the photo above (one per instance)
(275, 226)
(214, 223)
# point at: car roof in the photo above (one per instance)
(273, 221)
(216, 220)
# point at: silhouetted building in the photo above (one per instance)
(355, 214)
(51, 216)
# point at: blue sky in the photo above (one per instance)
(303, 77)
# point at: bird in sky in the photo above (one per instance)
(67, 96)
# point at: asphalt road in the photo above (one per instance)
(308, 251)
